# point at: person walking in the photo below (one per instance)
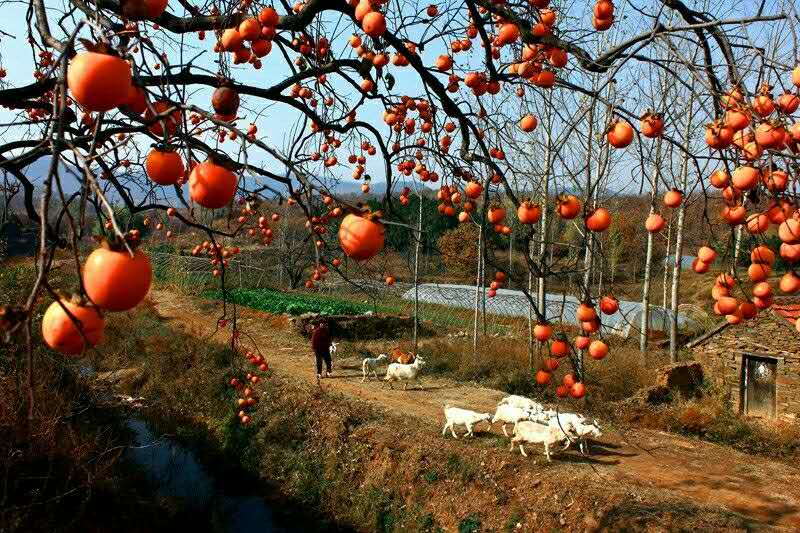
(321, 344)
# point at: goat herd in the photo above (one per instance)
(533, 424)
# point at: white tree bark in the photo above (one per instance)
(644, 325)
(677, 264)
(416, 273)
(478, 283)
(667, 264)
(541, 285)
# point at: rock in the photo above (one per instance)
(590, 524)
(685, 378)
(130, 401)
(657, 395)
(674, 381)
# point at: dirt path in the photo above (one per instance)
(766, 492)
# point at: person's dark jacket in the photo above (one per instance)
(321, 340)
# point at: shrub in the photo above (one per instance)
(470, 524)
(460, 260)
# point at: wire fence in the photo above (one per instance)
(195, 274)
(448, 306)
(453, 310)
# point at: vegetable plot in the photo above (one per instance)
(294, 304)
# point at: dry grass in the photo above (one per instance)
(62, 469)
(504, 363)
(623, 371)
(343, 458)
(712, 418)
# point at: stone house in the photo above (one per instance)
(757, 361)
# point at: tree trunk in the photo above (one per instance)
(648, 264)
(737, 247)
(587, 236)
(600, 277)
(530, 309)
(416, 274)
(478, 280)
(677, 264)
(541, 284)
(510, 257)
(665, 283)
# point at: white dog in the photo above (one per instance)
(370, 365)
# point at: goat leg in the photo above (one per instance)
(504, 429)
(522, 450)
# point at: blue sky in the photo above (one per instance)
(275, 120)
(272, 120)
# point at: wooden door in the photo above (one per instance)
(759, 385)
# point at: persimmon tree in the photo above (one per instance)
(211, 114)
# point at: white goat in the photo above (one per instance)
(577, 427)
(455, 416)
(542, 417)
(567, 418)
(522, 402)
(583, 430)
(333, 347)
(401, 372)
(370, 365)
(508, 414)
(534, 433)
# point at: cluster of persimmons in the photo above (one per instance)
(117, 276)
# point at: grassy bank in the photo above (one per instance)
(360, 467)
(712, 418)
(503, 364)
(64, 470)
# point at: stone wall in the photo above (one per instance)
(361, 327)
(768, 335)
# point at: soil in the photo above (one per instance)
(697, 478)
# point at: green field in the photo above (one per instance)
(277, 302)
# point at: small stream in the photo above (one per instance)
(214, 498)
(175, 472)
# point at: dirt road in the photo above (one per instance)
(765, 492)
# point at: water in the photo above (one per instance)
(176, 473)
